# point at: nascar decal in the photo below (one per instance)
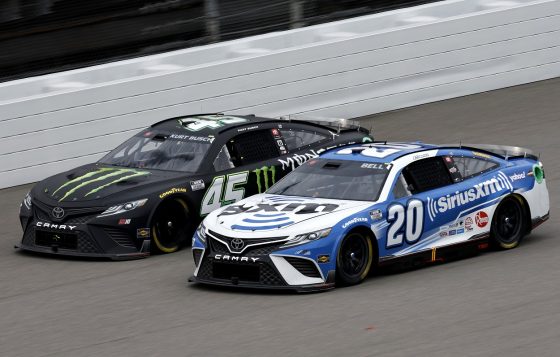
(265, 171)
(209, 122)
(496, 184)
(105, 177)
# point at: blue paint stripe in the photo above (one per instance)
(249, 220)
(262, 228)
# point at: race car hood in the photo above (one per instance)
(269, 215)
(95, 181)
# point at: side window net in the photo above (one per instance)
(427, 174)
(252, 147)
(296, 138)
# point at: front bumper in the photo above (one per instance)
(81, 235)
(264, 266)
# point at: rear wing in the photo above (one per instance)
(501, 151)
(338, 124)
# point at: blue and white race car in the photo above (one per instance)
(353, 209)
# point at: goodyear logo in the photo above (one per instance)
(97, 181)
(172, 191)
(265, 171)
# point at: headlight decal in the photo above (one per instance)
(307, 237)
(123, 208)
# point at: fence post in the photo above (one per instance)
(296, 14)
(212, 17)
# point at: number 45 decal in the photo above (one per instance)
(412, 218)
(220, 194)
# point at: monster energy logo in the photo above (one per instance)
(103, 174)
(265, 170)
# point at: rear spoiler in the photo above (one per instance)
(501, 151)
(338, 124)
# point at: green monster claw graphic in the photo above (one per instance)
(265, 170)
(90, 178)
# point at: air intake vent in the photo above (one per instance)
(304, 266)
(197, 255)
(121, 237)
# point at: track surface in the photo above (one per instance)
(499, 304)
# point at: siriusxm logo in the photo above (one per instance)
(496, 184)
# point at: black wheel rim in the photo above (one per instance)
(170, 224)
(509, 221)
(354, 255)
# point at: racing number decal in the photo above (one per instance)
(219, 195)
(412, 218)
(380, 151)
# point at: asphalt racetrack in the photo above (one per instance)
(494, 304)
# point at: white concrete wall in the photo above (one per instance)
(347, 69)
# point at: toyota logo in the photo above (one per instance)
(58, 212)
(237, 244)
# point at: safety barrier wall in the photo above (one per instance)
(347, 69)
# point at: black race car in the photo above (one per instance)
(148, 195)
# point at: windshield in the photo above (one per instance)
(160, 151)
(345, 180)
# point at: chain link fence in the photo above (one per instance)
(44, 36)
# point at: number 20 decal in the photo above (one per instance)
(412, 217)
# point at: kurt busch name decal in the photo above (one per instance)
(496, 184)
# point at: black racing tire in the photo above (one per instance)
(354, 259)
(170, 226)
(508, 223)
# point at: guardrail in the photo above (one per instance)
(347, 69)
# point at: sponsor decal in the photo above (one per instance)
(197, 185)
(105, 177)
(209, 122)
(303, 252)
(452, 232)
(376, 214)
(443, 234)
(460, 231)
(295, 207)
(479, 154)
(265, 171)
(468, 223)
(233, 258)
(374, 166)
(172, 191)
(323, 258)
(55, 226)
(481, 219)
(123, 221)
(275, 132)
(367, 139)
(237, 244)
(420, 156)
(516, 177)
(143, 233)
(354, 220)
(280, 142)
(442, 204)
(296, 160)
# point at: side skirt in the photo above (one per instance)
(440, 254)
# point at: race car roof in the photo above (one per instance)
(377, 151)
